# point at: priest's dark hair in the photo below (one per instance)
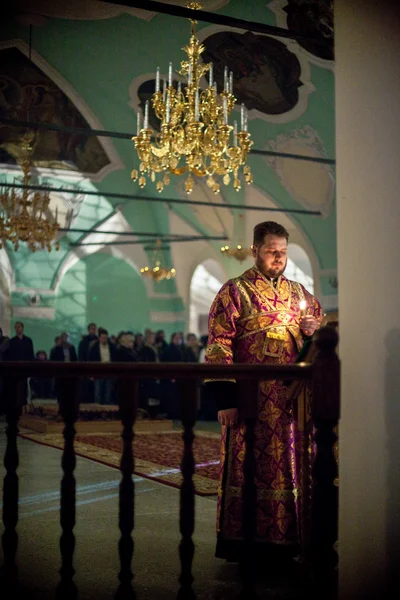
(263, 229)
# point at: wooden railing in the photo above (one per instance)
(322, 379)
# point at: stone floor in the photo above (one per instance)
(156, 534)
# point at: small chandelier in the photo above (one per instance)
(238, 252)
(195, 136)
(22, 216)
(157, 271)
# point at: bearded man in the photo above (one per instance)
(260, 317)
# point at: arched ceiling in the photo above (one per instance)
(89, 63)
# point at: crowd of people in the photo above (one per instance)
(158, 398)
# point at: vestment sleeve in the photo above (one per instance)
(314, 306)
(224, 313)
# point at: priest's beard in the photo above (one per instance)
(272, 271)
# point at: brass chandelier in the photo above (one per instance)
(23, 215)
(195, 136)
(157, 271)
(239, 252)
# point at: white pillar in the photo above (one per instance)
(367, 34)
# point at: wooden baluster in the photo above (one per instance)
(188, 394)
(324, 505)
(248, 402)
(69, 410)
(128, 398)
(15, 397)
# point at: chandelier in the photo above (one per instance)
(157, 271)
(195, 136)
(239, 252)
(23, 215)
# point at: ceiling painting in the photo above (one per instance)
(314, 18)
(28, 94)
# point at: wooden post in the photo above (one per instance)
(14, 393)
(69, 410)
(187, 390)
(248, 408)
(324, 501)
(128, 398)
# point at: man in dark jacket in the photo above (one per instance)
(104, 352)
(64, 352)
(87, 341)
(20, 348)
(87, 388)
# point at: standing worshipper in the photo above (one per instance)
(173, 354)
(87, 387)
(21, 346)
(87, 341)
(64, 351)
(161, 343)
(257, 318)
(102, 351)
(20, 349)
(4, 344)
(149, 398)
(191, 349)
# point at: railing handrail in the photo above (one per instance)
(139, 370)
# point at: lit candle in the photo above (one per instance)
(242, 117)
(138, 122)
(170, 74)
(225, 110)
(226, 79)
(146, 115)
(210, 83)
(231, 82)
(303, 307)
(235, 130)
(158, 79)
(196, 107)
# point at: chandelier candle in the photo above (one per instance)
(195, 137)
(158, 79)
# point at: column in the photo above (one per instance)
(368, 207)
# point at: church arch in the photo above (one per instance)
(207, 279)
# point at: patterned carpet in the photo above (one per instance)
(157, 455)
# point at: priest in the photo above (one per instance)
(260, 317)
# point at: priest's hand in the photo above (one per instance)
(308, 325)
(228, 417)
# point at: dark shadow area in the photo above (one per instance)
(392, 402)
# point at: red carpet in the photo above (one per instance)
(157, 455)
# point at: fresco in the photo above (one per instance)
(267, 74)
(315, 20)
(28, 94)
